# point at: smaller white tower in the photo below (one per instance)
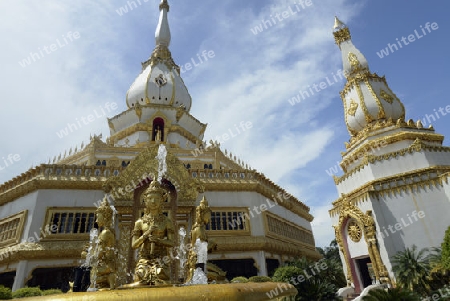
(394, 191)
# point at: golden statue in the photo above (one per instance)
(105, 272)
(202, 218)
(198, 231)
(153, 234)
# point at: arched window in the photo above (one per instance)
(210, 166)
(104, 162)
(205, 166)
(98, 163)
(158, 129)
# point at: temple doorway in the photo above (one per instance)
(364, 265)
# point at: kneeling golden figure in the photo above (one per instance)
(153, 234)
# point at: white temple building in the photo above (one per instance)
(394, 192)
(47, 212)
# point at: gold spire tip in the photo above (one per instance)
(164, 4)
(338, 24)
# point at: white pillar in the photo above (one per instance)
(21, 274)
(261, 262)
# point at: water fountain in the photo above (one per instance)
(154, 237)
(181, 254)
(92, 259)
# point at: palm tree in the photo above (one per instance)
(435, 262)
(393, 294)
(411, 269)
(317, 289)
(439, 276)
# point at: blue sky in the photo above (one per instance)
(250, 78)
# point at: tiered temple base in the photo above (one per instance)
(210, 292)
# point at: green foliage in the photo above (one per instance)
(411, 270)
(446, 250)
(315, 281)
(331, 252)
(286, 273)
(309, 278)
(394, 294)
(239, 279)
(51, 292)
(317, 289)
(27, 292)
(259, 279)
(441, 294)
(5, 293)
(334, 272)
(439, 276)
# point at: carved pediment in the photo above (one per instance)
(144, 166)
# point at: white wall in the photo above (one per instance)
(249, 200)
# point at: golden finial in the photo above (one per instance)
(341, 32)
(338, 24)
(164, 4)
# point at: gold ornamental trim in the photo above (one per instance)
(373, 130)
(407, 182)
(362, 102)
(42, 250)
(142, 127)
(416, 146)
(146, 165)
(342, 35)
(11, 228)
(283, 229)
(245, 180)
(61, 176)
(352, 155)
(381, 111)
(358, 78)
(352, 108)
(72, 249)
(366, 223)
(388, 98)
(354, 231)
(267, 244)
(55, 176)
(354, 81)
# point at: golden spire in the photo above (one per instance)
(341, 32)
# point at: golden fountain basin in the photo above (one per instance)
(209, 292)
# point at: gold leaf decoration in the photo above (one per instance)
(352, 108)
(386, 96)
(354, 231)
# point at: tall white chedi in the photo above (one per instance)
(394, 191)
